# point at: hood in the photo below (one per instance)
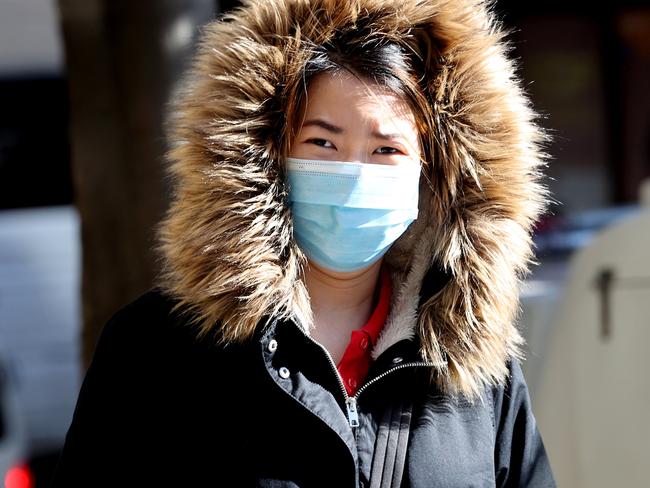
(226, 245)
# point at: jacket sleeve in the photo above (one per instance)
(520, 456)
(97, 441)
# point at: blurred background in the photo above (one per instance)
(83, 91)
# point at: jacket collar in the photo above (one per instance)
(291, 340)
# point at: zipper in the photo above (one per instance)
(351, 401)
(351, 409)
(413, 364)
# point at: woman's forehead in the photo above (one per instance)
(341, 95)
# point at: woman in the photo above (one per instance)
(356, 183)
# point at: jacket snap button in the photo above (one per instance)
(273, 345)
(397, 360)
(284, 372)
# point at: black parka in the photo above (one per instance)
(159, 408)
(187, 381)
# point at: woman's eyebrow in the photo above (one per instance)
(339, 130)
(325, 125)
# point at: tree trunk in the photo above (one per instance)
(122, 60)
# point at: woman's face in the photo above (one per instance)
(346, 119)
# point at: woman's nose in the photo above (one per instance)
(355, 154)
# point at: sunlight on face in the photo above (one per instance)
(347, 119)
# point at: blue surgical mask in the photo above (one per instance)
(347, 215)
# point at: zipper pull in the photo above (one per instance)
(353, 416)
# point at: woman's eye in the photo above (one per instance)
(320, 142)
(387, 150)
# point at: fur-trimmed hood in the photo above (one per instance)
(226, 244)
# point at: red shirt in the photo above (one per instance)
(356, 360)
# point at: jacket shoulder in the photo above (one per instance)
(149, 317)
(148, 335)
(150, 305)
(146, 381)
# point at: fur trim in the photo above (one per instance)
(226, 242)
